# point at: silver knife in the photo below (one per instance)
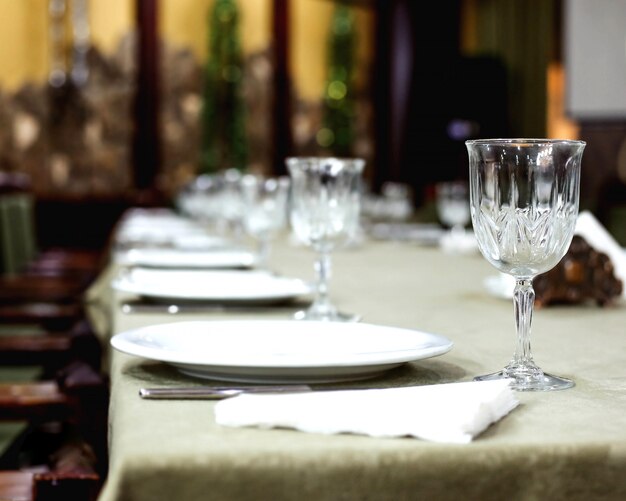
(216, 392)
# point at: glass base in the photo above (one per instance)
(529, 379)
(326, 316)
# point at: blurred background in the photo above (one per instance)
(109, 104)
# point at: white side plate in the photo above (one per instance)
(280, 351)
(224, 286)
(500, 285)
(177, 258)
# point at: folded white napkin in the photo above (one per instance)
(459, 243)
(596, 235)
(452, 412)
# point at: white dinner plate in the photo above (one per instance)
(224, 286)
(191, 239)
(500, 285)
(176, 258)
(280, 351)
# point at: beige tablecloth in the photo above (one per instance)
(567, 445)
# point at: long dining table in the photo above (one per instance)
(560, 445)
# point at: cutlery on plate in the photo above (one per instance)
(216, 392)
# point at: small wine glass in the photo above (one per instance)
(324, 214)
(265, 203)
(452, 199)
(231, 203)
(524, 204)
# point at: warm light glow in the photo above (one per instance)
(184, 23)
(110, 21)
(23, 39)
(309, 32)
(559, 125)
(25, 46)
(24, 35)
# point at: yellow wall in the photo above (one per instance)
(184, 22)
(23, 26)
(309, 35)
(308, 32)
(110, 20)
(24, 34)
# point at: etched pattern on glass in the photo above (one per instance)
(524, 241)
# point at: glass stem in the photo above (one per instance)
(457, 231)
(323, 270)
(264, 251)
(523, 300)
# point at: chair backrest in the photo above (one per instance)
(18, 244)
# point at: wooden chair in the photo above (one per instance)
(69, 475)
(54, 289)
(69, 387)
(19, 251)
(51, 316)
(77, 394)
(52, 350)
(64, 453)
(41, 287)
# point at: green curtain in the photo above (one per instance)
(17, 232)
(224, 138)
(337, 133)
(521, 33)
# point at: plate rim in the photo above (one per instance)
(240, 258)
(300, 288)
(121, 343)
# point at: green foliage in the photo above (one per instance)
(224, 140)
(337, 133)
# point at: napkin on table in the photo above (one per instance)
(459, 243)
(451, 412)
(596, 235)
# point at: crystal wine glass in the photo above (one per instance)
(231, 202)
(452, 199)
(324, 214)
(265, 202)
(524, 205)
